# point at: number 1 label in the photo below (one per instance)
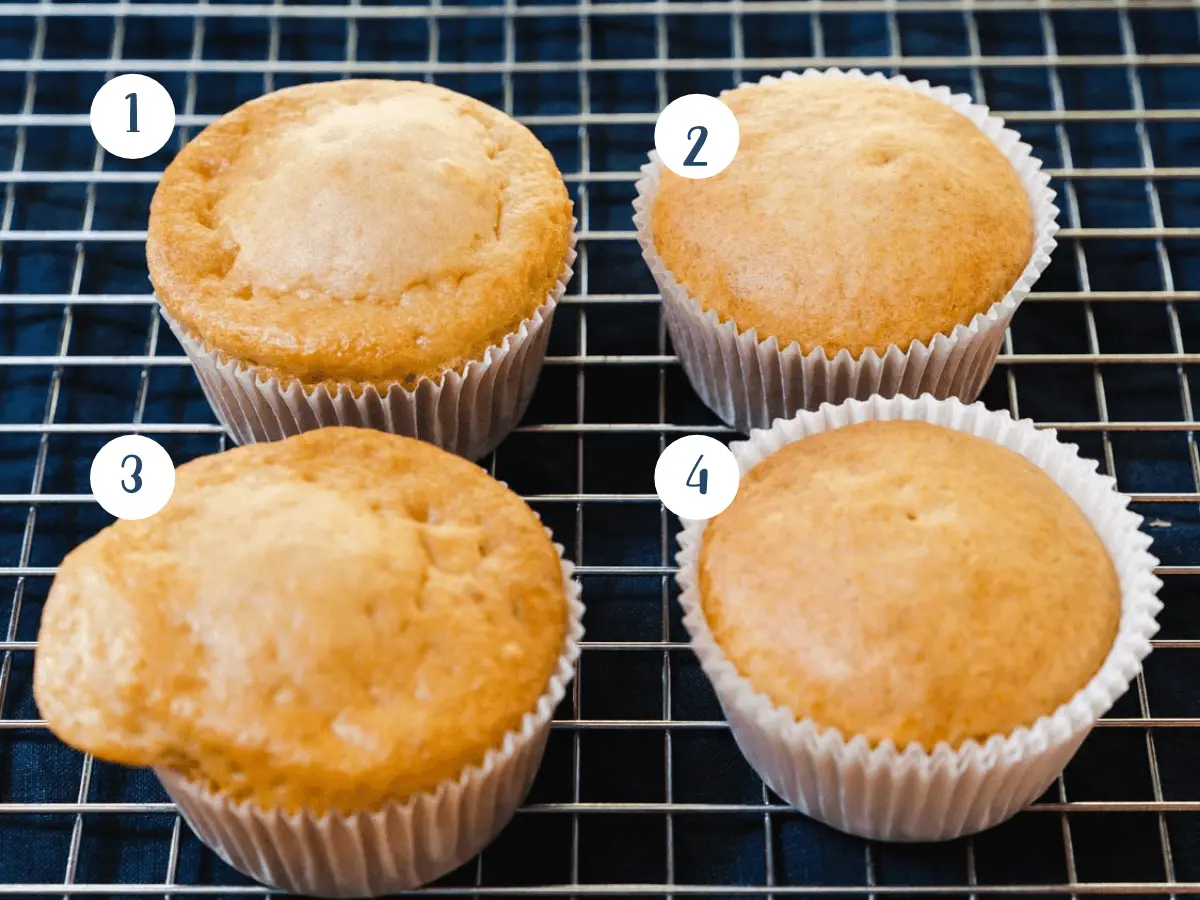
(132, 116)
(132, 98)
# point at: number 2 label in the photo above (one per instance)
(691, 157)
(696, 136)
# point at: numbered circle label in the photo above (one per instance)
(696, 136)
(696, 477)
(132, 116)
(132, 477)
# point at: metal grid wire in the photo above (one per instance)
(642, 789)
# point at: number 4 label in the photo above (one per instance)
(696, 477)
(702, 482)
(696, 136)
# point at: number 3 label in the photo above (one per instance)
(136, 476)
(132, 116)
(132, 477)
(696, 136)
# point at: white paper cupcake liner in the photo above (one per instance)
(401, 845)
(468, 411)
(910, 793)
(749, 382)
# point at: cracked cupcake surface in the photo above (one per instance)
(331, 622)
(361, 231)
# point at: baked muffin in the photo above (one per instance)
(349, 633)
(818, 583)
(392, 250)
(928, 622)
(862, 224)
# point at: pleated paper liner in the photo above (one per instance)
(913, 793)
(468, 411)
(401, 845)
(750, 381)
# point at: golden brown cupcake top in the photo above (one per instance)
(333, 621)
(359, 231)
(855, 214)
(902, 580)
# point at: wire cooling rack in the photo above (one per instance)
(643, 790)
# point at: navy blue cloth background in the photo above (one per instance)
(717, 834)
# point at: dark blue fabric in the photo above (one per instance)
(713, 847)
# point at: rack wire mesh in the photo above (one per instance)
(643, 790)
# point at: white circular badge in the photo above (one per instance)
(696, 136)
(132, 116)
(696, 477)
(132, 477)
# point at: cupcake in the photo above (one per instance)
(914, 611)
(374, 253)
(870, 236)
(340, 653)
